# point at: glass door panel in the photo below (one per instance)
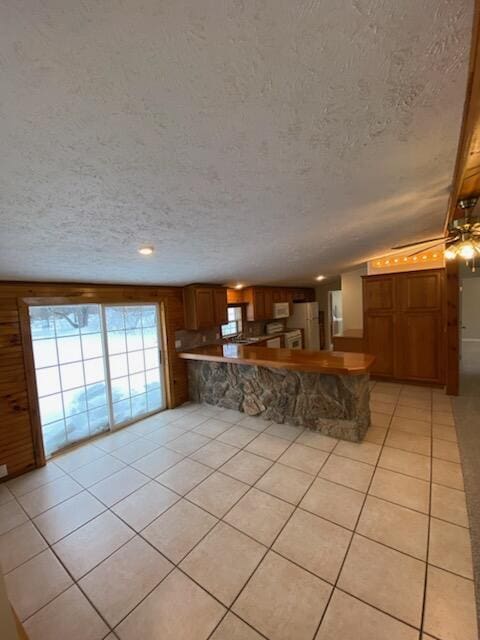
(70, 372)
(97, 367)
(133, 361)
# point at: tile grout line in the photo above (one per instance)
(213, 471)
(351, 538)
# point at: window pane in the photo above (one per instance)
(121, 411)
(98, 419)
(54, 436)
(94, 370)
(139, 404)
(154, 399)
(134, 339)
(118, 366)
(92, 345)
(136, 362)
(120, 389)
(149, 316)
(133, 317)
(42, 323)
(114, 318)
(150, 337)
(48, 381)
(153, 379)
(67, 320)
(45, 353)
(96, 395)
(151, 358)
(116, 342)
(74, 401)
(51, 408)
(91, 320)
(77, 427)
(137, 383)
(69, 349)
(71, 375)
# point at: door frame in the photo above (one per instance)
(452, 328)
(32, 403)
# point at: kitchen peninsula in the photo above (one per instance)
(324, 391)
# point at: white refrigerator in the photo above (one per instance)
(305, 316)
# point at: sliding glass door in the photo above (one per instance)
(97, 367)
(133, 362)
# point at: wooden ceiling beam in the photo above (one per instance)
(466, 177)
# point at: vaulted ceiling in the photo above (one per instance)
(260, 141)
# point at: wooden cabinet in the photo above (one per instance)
(404, 324)
(220, 305)
(268, 300)
(204, 306)
(260, 300)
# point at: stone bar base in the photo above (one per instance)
(335, 405)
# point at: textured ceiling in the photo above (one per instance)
(248, 140)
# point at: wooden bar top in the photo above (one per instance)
(334, 362)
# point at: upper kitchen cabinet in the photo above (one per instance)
(261, 300)
(255, 299)
(205, 306)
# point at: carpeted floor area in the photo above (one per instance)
(466, 408)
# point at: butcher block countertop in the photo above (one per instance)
(334, 362)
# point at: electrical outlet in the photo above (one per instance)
(217, 336)
(3, 470)
(178, 344)
(204, 338)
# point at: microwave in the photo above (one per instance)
(281, 310)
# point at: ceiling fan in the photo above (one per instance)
(462, 238)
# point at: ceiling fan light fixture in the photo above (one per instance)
(450, 253)
(466, 250)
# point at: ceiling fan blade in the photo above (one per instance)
(414, 244)
(446, 241)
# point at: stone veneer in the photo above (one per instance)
(335, 405)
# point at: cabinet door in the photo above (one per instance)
(204, 308)
(277, 295)
(258, 304)
(380, 340)
(268, 298)
(421, 332)
(379, 293)
(379, 301)
(220, 306)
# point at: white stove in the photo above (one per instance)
(293, 339)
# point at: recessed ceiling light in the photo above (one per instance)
(320, 278)
(146, 251)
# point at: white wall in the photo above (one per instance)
(352, 295)
(471, 308)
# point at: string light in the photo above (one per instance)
(406, 260)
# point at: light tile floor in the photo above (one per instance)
(204, 523)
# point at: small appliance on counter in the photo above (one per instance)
(305, 316)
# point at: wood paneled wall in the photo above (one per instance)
(18, 426)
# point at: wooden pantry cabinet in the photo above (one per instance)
(404, 325)
(205, 306)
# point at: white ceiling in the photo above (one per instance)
(259, 141)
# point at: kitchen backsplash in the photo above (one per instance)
(190, 339)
